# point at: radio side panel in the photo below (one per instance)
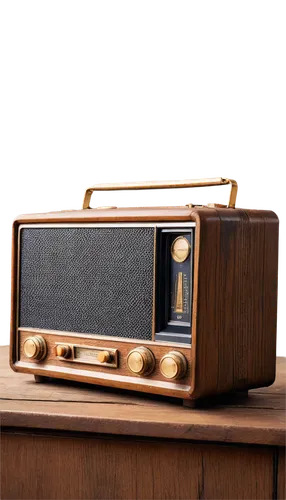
(234, 328)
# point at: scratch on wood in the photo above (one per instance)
(201, 484)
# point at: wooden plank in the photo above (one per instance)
(79, 407)
(36, 467)
(63, 391)
(226, 425)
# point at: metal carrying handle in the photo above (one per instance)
(217, 181)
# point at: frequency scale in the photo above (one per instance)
(180, 280)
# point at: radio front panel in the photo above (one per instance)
(124, 281)
(107, 290)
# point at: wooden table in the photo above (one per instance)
(69, 441)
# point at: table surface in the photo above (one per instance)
(71, 406)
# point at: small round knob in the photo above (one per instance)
(35, 347)
(173, 365)
(141, 361)
(63, 351)
(103, 356)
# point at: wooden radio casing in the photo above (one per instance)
(234, 305)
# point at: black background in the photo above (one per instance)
(66, 186)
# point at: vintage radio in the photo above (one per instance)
(179, 301)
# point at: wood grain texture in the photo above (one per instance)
(238, 426)
(60, 405)
(234, 300)
(66, 467)
(281, 475)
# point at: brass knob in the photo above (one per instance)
(180, 249)
(173, 365)
(63, 351)
(35, 347)
(141, 361)
(103, 356)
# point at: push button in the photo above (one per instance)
(63, 351)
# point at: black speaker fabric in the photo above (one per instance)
(88, 280)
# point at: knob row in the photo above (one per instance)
(140, 361)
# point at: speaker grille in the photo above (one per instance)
(88, 280)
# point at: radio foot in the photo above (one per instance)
(221, 399)
(39, 379)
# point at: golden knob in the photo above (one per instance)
(141, 361)
(173, 365)
(180, 249)
(35, 347)
(103, 356)
(63, 351)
